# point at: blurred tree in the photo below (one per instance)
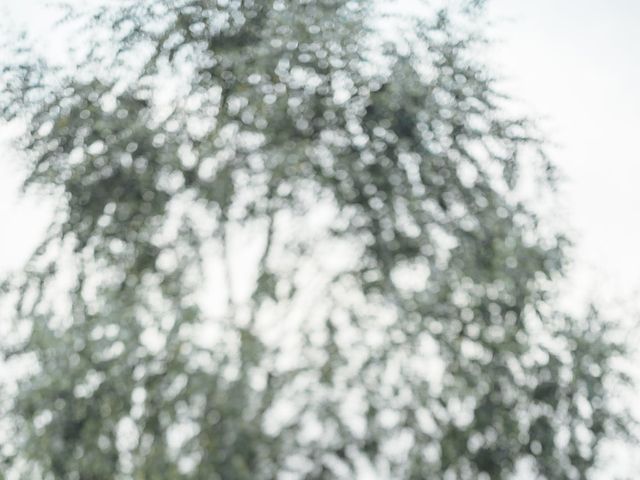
(289, 245)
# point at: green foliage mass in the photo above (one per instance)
(289, 244)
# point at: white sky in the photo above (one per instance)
(574, 65)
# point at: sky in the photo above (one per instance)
(574, 66)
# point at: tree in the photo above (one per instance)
(290, 246)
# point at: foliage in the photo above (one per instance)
(288, 246)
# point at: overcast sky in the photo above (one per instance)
(576, 66)
(572, 64)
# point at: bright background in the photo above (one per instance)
(573, 65)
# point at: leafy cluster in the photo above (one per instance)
(289, 247)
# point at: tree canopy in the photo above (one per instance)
(289, 244)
